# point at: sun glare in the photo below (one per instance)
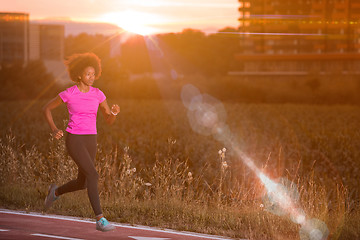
(133, 21)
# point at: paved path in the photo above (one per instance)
(20, 225)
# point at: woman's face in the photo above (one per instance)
(88, 76)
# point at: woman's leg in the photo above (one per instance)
(82, 149)
(73, 185)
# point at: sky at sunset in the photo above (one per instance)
(143, 16)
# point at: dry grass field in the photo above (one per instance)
(155, 170)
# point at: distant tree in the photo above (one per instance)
(29, 82)
(114, 80)
(194, 52)
(222, 47)
(184, 50)
(98, 44)
(135, 56)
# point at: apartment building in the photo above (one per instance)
(14, 41)
(21, 41)
(299, 35)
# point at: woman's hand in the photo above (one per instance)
(57, 134)
(109, 113)
(115, 109)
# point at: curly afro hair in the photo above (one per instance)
(77, 63)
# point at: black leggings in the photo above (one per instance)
(82, 149)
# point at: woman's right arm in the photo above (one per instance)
(54, 103)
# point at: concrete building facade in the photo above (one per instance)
(300, 35)
(14, 38)
(22, 41)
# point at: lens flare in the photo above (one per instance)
(174, 74)
(207, 116)
(314, 229)
(274, 34)
(298, 216)
(281, 197)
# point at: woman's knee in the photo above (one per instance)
(81, 183)
(93, 175)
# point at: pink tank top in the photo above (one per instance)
(83, 108)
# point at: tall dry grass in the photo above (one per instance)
(154, 170)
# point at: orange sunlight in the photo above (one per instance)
(133, 21)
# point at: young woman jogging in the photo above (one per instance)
(82, 101)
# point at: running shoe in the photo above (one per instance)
(103, 225)
(50, 198)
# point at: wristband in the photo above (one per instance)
(114, 113)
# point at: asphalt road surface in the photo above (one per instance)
(22, 226)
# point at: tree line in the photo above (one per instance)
(158, 66)
(130, 73)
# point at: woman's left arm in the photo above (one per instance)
(109, 115)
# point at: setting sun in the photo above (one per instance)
(133, 21)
